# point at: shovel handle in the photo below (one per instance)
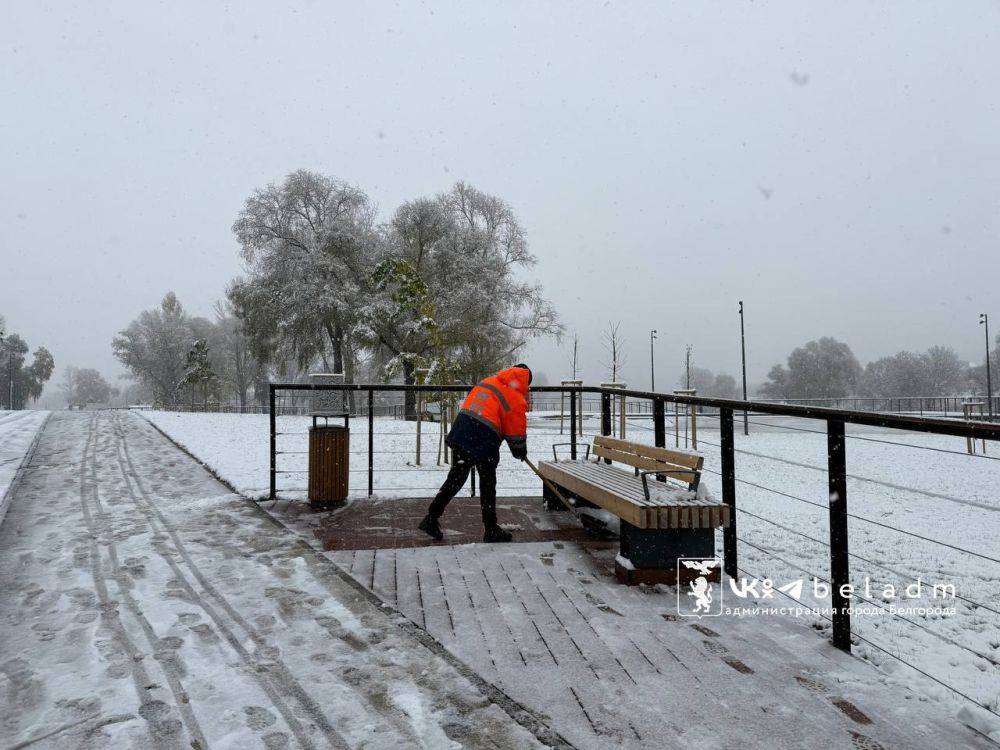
(551, 486)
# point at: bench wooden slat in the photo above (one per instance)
(646, 464)
(625, 483)
(619, 492)
(687, 459)
(609, 478)
(651, 458)
(622, 507)
(629, 486)
(621, 481)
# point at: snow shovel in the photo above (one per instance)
(586, 520)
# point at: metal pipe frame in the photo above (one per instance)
(978, 430)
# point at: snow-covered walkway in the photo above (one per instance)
(614, 666)
(143, 606)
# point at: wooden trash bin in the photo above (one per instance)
(329, 458)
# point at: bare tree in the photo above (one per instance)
(575, 359)
(308, 244)
(613, 345)
(448, 294)
(235, 362)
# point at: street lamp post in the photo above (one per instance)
(743, 351)
(10, 374)
(652, 366)
(984, 320)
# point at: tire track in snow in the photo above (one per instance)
(329, 574)
(109, 613)
(393, 715)
(167, 666)
(278, 679)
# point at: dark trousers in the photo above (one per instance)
(461, 465)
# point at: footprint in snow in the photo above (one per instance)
(259, 717)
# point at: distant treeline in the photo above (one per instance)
(827, 368)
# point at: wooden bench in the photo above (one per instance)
(661, 515)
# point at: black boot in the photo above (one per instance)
(430, 527)
(496, 534)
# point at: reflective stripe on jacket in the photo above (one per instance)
(498, 403)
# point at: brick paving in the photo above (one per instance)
(392, 524)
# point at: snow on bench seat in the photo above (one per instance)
(641, 500)
(620, 492)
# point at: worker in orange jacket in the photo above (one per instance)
(494, 411)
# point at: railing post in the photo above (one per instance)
(839, 567)
(371, 442)
(659, 429)
(728, 449)
(274, 439)
(606, 417)
(579, 414)
(572, 425)
(694, 427)
(659, 424)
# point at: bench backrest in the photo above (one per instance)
(650, 458)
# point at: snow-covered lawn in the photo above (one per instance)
(910, 503)
(236, 447)
(17, 431)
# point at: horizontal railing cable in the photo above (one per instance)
(862, 518)
(864, 438)
(874, 645)
(856, 556)
(946, 639)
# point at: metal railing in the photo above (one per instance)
(945, 406)
(721, 412)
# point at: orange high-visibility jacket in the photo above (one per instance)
(498, 403)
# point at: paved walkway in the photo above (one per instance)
(143, 606)
(613, 666)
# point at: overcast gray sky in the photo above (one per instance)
(836, 165)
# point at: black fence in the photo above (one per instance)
(569, 413)
(393, 404)
(943, 406)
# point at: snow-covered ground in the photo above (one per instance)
(17, 432)
(912, 496)
(144, 606)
